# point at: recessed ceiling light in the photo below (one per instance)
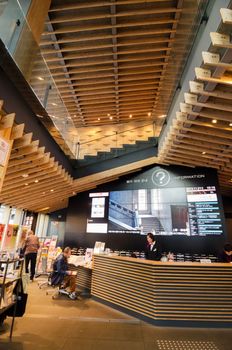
(42, 209)
(111, 118)
(25, 175)
(130, 116)
(203, 152)
(98, 118)
(54, 104)
(51, 190)
(26, 184)
(149, 114)
(214, 121)
(36, 181)
(74, 193)
(108, 115)
(230, 124)
(40, 78)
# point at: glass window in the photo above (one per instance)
(142, 199)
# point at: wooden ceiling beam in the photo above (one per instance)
(213, 132)
(24, 193)
(32, 164)
(16, 174)
(92, 27)
(148, 87)
(141, 12)
(190, 161)
(200, 137)
(101, 45)
(206, 146)
(200, 157)
(94, 54)
(94, 37)
(40, 175)
(201, 149)
(23, 141)
(28, 158)
(98, 85)
(15, 153)
(95, 63)
(88, 5)
(17, 131)
(22, 202)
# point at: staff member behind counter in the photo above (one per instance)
(153, 249)
(226, 255)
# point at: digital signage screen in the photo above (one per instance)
(161, 202)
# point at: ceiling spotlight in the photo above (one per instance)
(130, 116)
(52, 190)
(54, 104)
(98, 118)
(40, 78)
(214, 121)
(36, 181)
(149, 114)
(26, 184)
(25, 175)
(111, 118)
(203, 152)
(108, 115)
(74, 193)
(230, 124)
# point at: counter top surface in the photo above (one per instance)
(160, 263)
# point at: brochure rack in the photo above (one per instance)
(10, 280)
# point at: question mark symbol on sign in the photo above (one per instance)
(160, 175)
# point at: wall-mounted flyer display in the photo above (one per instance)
(99, 247)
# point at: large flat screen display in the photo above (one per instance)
(159, 206)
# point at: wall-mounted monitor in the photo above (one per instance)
(159, 201)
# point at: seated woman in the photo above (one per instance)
(61, 276)
(153, 250)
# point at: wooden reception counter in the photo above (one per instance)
(165, 292)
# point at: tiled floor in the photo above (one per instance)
(87, 325)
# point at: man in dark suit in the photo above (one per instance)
(226, 255)
(153, 250)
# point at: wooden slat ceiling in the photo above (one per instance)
(33, 180)
(36, 182)
(201, 132)
(116, 62)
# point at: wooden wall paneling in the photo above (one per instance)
(165, 291)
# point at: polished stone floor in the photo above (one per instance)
(87, 325)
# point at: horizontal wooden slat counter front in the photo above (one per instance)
(169, 291)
